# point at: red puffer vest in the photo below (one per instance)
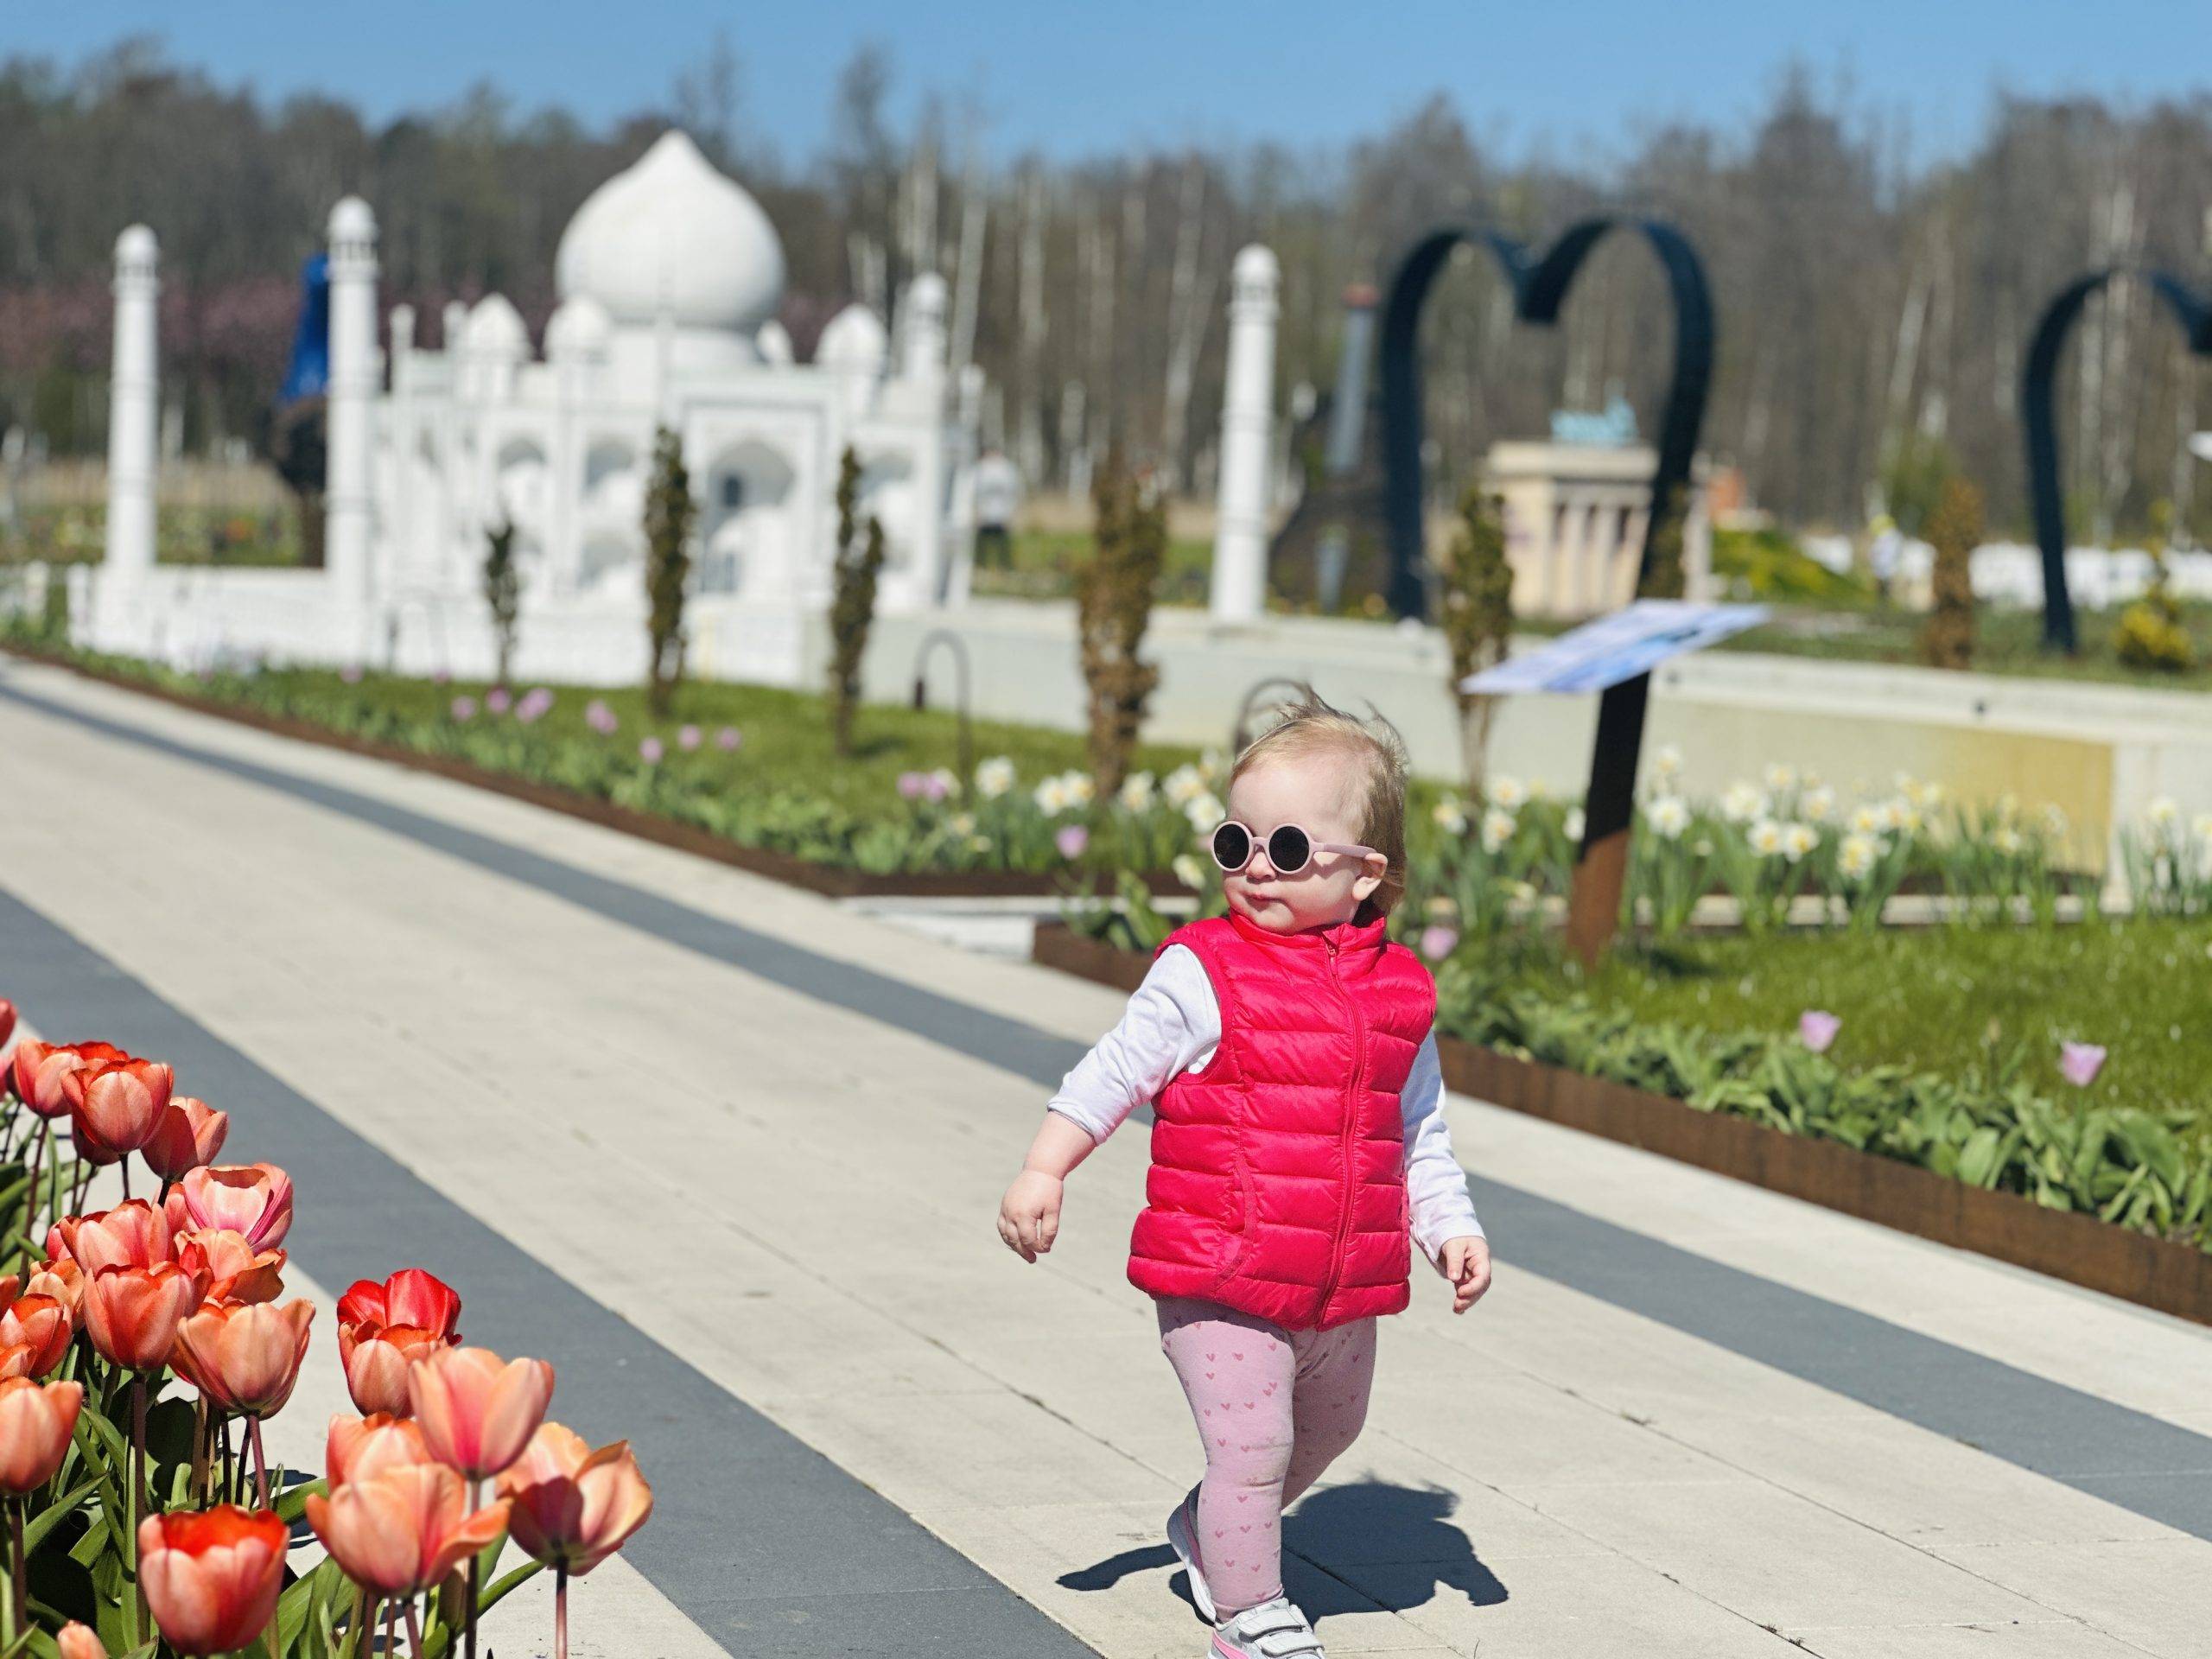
(1278, 1184)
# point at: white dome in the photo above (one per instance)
(672, 232)
(495, 329)
(577, 327)
(853, 340)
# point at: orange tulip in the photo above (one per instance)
(133, 1313)
(15, 1361)
(377, 1359)
(478, 1411)
(189, 1134)
(11, 1286)
(61, 1279)
(232, 1270)
(254, 1199)
(403, 1530)
(119, 1103)
(37, 1420)
(7, 1019)
(570, 1506)
(133, 1235)
(361, 1448)
(244, 1357)
(79, 1642)
(212, 1579)
(42, 1068)
(41, 1324)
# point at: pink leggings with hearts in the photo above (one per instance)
(1276, 1408)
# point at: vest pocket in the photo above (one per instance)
(1237, 1222)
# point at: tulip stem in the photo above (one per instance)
(15, 1558)
(415, 1627)
(260, 1465)
(124, 1165)
(475, 1572)
(135, 1474)
(30, 1191)
(201, 1457)
(561, 1611)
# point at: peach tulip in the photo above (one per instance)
(478, 1411)
(189, 1134)
(37, 1420)
(234, 1271)
(61, 1279)
(570, 1506)
(404, 1530)
(119, 1103)
(254, 1199)
(361, 1448)
(15, 1360)
(244, 1357)
(43, 1325)
(133, 1313)
(43, 1068)
(79, 1642)
(212, 1579)
(377, 1359)
(132, 1235)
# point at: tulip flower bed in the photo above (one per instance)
(143, 1345)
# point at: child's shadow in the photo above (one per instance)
(1347, 1550)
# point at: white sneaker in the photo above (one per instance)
(1183, 1536)
(1274, 1630)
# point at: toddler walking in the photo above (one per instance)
(1298, 1142)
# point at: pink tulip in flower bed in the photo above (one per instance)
(142, 1346)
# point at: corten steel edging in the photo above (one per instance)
(830, 880)
(2154, 1273)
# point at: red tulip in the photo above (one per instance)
(117, 1104)
(255, 1199)
(42, 1068)
(7, 1019)
(61, 1279)
(133, 1313)
(212, 1579)
(189, 1134)
(232, 1269)
(478, 1411)
(404, 1529)
(411, 1297)
(361, 1448)
(37, 1420)
(570, 1506)
(41, 1324)
(15, 1361)
(132, 1235)
(79, 1642)
(244, 1357)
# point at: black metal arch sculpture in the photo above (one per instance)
(1539, 286)
(2039, 416)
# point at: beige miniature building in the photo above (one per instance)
(1574, 520)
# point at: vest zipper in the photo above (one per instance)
(1351, 1121)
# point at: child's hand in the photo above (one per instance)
(1029, 1214)
(1466, 1263)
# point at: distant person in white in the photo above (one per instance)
(998, 498)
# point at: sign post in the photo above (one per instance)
(1614, 656)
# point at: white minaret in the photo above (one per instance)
(134, 401)
(353, 390)
(922, 365)
(922, 328)
(1240, 541)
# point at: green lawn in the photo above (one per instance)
(1944, 999)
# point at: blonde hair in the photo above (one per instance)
(1307, 726)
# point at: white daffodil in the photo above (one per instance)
(1184, 784)
(1780, 776)
(1668, 762)
(1819, 804)
(1052, 797)
(2006, 839)
(1575, 824)
(1136, 791)
(1858, 855)
(1212, 764)
(1205, 814)
(1508, 792)
(1743, 803)
(1669, 816)
(962, 824)
(2201, 826)
(1869, 819)
(1081, 786)
(946, 782)
(1931, 797)
(1797, 839)
(1765, 838)
(1497, 829)
(1451, 817)
(994, 776)
(2163, 812)
(1189, 871)
(1904, 817)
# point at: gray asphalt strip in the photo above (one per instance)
(2128, 1458)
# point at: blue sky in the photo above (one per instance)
(1076, 77)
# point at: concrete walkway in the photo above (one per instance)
(728, 1155)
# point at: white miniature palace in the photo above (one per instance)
(670, 278)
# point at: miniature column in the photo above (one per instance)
(1240, 542)
(352, 397)
(133, 405)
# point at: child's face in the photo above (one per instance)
(1317, 792)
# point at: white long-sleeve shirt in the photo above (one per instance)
(1172, 1025)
